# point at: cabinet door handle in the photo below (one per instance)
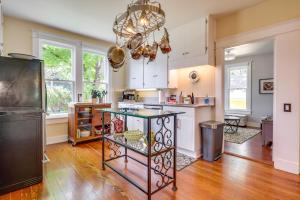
(133, 78)
(155, 76)
(185, 53)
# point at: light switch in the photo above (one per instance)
(287, 107)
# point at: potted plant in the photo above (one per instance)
(102, 95)
(95, 94)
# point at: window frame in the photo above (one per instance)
(228, 67)
(106, 69)
(78, 48)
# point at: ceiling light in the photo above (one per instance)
(130, 27)
(229, 55)
(143, 19)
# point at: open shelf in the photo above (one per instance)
(139, 147)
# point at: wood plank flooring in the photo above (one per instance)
(74, 173)
(251, 149)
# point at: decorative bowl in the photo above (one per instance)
(133, 135)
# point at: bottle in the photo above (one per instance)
(192, 98)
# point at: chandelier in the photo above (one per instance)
(136, 29)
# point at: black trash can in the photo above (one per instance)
(212, 140)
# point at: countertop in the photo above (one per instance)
(142, 113)
(164, 104)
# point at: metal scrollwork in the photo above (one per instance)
(164, 136)
(163, 163)
(114, 149)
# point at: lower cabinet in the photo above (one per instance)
(188, 130)
(134, 123)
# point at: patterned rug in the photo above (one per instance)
(242, 135)
(183, 161)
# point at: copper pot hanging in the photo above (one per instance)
(165, 43)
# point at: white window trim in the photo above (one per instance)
(38, 37)
(93, 49)
(249, 88)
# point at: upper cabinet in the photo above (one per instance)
(143, 75)
(193, 44)
(135, 74)
(156, 72)
(1, 28)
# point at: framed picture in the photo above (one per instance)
(266, 86)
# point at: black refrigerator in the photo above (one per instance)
(22, 106)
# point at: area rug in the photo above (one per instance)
(242, 135)
(183, 161)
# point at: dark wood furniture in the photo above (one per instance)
(84, 117)
(267, 132)
(158, 147)
(21, 150)
(231, 124)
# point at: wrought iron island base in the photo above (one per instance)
(161, 154)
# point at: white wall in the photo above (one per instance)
(262, 68)
(287, 81)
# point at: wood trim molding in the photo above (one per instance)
(57, 139)
(267, 32)
(260, 33)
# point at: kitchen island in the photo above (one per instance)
(188, 130)
(157, 145)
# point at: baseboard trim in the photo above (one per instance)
(57, 139)
(189, 153)
(288, 166)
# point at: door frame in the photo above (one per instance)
(267, 32)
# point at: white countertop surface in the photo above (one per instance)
(164, 104)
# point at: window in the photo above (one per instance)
(59, 78)
(71, 68)
(94, 73)
(238, 88)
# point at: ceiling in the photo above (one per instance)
(251, 49)
(94, 18)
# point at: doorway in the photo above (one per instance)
(248, 100)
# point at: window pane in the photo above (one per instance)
(59, 94)
(58, 62)
(93, 67)
(89, 86)
(238, 99)
(238, 77)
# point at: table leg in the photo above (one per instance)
(174, 188)
(103, 142)
(149, 158)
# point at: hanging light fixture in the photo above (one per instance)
(137, 25)
(130, 27)
(229, 55)
(143, 20)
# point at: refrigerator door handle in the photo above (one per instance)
(2, 114)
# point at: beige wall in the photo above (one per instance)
(205, 85)
(18, 38)
(266, 13)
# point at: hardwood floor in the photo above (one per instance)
(251, 149)
(74, 173)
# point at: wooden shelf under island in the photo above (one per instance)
(85, 121)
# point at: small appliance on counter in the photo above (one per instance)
(129, 95)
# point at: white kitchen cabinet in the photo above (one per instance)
(1, 28)
(156, 72)
(134, 123)
(193, 44)
(135, 74)
(188, 130)
(185, 132)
